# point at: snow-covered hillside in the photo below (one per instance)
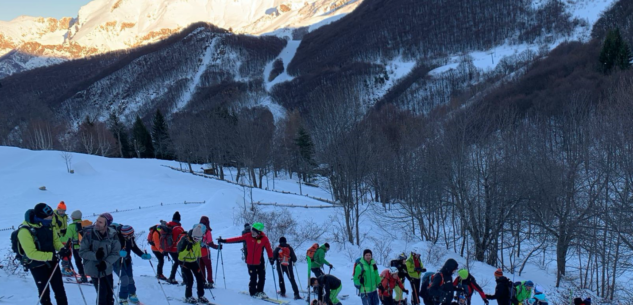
(141, 192)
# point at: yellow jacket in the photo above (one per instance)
(28, 244)
(189, 255)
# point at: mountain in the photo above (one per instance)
(108, 25)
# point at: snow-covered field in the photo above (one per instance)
(107, 185)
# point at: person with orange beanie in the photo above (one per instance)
(60, 219)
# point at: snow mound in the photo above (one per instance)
(84, 168)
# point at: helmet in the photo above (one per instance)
(393, 270)
(463, 273)
(529, 284)
(258, 226)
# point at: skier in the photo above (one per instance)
(170, 234)
(123, 266)
(400, 263)
(256, 242)
(367, 279)
(390, 280)
(205, 260)
(328, 288)
(414, 269)
(442, 287)
(60, 219)
(38, 241)
(153, 239)
(100, 251)
(319, 260)
(285, 257)
(522, 292)
(73, 237)
(540, 298)
(468, 283)
(424, 290)
(502, 290)
(188, 255)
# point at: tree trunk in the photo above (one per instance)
(562, 246)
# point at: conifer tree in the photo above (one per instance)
(142, 140)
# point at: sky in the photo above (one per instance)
(9, 9)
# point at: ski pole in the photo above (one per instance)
(274, 281)
(77, 280)
(120, 272)
(223, 274)
(98, 288)
(48, 284)
(157, 279)
(217, 261)
(298, 277)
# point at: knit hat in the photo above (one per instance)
(205, 221)
(176, 217)
(42, 210)
(76, 214)
(367, 251)
(499, 272)
(61, 206)
(107, 217)
(127, 230)
(196, 232)
(463, 273)
(282, 240)
(247, 226)
(529, 284)
(327, 245)
(588, 301)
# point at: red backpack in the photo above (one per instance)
(312, 250)
(284, 256)
(150, 235)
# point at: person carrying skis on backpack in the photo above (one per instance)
(153, 238)
(189, 252)
(285, 257)
(522, 292)
(367, 279)
(170, 234)
(205, 260)
(256, 242)
(37, 245)
(389, 281)
(467, 282)
(442, 287)
(123, 266)
(99, 250)
(424, 290)
(539, 298)
(319, 260)
(73, 237)
(502, 290)
(400, 264)
(414, 269)
(327, 288)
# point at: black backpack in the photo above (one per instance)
(17, 248)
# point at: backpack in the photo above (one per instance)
(182, 244)
(284, 256)
(433, 276)
(150, 235)
(312, 250)
(362, 271)
(166, 237)
(17, 248)
(80, 228)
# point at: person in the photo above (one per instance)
(400, 264)
(72, 237)
(522, 292)
(39, 242)
(367, 279)
(502, 290)
(256, 242)
(123, 266)
(168, 243)
(205, 260)
(189, 252)
(60, 219)
(319, 260)
(285, 257)
(328, 288)
(469, 285)
(442, 287)
(424, 290)
(100, 251)
(390, 280)
(154, 241)
(539, 298)
(414, 269)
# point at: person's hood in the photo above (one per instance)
(449, 266)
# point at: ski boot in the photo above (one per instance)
(123, 302)
(203, 300)
(161, 277)
(134, 298)
(209, 286)
(172, 281)
(83, 279)
(298, 297)
(191, 300)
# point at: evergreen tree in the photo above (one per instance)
(615, 52)
(120, 134)
(306, 152)
(160, 137)
(142, 140)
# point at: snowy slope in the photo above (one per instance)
(136, 188)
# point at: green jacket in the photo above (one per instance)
(189, 255)
(319, 258)
(411, 267)
(370, 275)
(60, 223)
(28, 244)
(72, 234)
(521, 293)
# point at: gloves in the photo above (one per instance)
(418, 269)
(486, 301)
(63, 252)
(101, 266)
(489, 296)
(423, 269)
(220, 240)
(405, 291)
(100, 254)
(122, 253)
(151, 242)
(146, 256)
(219, 246)
(331, 266)
(272, 261)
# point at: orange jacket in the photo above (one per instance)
(156, 239)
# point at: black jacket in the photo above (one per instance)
(130, 246)
(328, 283)
(293, 257)
(442, 287)
(502, 291)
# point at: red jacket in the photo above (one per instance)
(207, 241)
(388, 283)
(176, 232)
(254, 247)
(470, 286)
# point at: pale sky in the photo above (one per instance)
(9, 9)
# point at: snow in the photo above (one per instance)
(396, 69)
(206, 60)
(286, 55)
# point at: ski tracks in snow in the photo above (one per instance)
(206, 61)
